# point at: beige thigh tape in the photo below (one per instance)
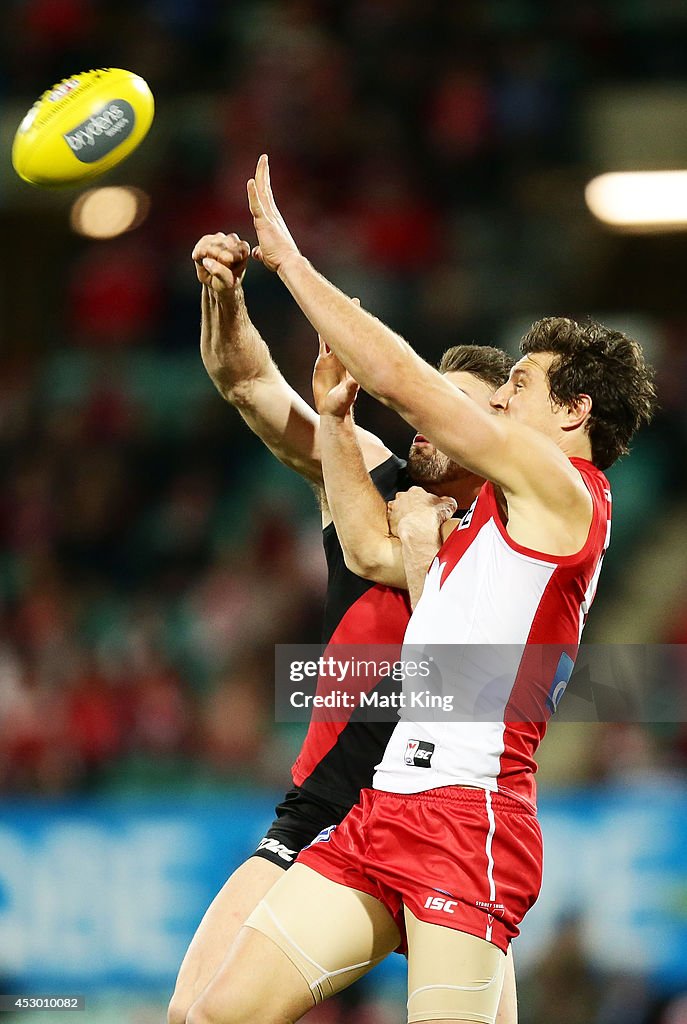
(451, 975)
(331, 934)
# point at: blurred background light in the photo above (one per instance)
(108, 212)
(640, 200)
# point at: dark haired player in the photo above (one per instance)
(445, 855)
(337, 759)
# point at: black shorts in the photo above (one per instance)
(300, 817)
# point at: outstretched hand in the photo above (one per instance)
(334, 390)
(275, 243)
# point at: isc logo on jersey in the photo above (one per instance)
(419, 753)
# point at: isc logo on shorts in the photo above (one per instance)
(438, 903)
(419, 753)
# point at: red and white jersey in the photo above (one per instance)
(485, 589)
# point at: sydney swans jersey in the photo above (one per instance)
(494, 598)
(338, 758)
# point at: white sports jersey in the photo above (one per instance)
(484, 589)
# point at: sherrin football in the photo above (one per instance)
(82, 127)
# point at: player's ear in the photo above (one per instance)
(578, 412)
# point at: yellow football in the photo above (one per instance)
(82, 127)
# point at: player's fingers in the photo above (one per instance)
(265, 185)
(229, 255)
(256, 253)
(215, 243)
(221, 275)
(351, 389)
(260, 180)
(447, 507)
(324, 348)
(235, 250)
(254, 202)
(355, 300)
(201, 245)
(271, 202)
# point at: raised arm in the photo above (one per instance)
(240, 365)
(529, 466)
(356, 506)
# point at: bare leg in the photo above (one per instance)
(238, 897)
(307, 940)
(256, 983)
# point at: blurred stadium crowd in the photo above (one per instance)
(432, 160)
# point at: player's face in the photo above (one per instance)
(526, 396)
(427, 465)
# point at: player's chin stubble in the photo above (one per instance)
(431, 467)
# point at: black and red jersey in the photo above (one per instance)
(337, 759)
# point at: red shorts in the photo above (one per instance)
(462, 858)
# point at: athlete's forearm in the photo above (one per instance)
(420, 541)
(374, 354)
(240, 365)
(356, 506)
(523, 461)
(233, 351)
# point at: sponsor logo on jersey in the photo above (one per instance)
(467, 518)
(274, 846)
(419, 753)
(439, 903)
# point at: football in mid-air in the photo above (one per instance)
(82, 127)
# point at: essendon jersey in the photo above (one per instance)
(337, 759)
(506, 618)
